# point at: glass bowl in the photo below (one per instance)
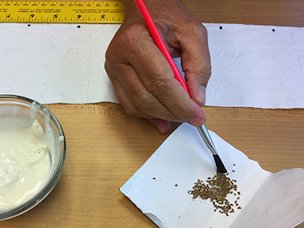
(24, 111)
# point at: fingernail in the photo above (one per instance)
(196, 122)
(201, 95)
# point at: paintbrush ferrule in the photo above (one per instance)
(208, 141)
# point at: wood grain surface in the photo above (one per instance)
(105, 146)
(259, 12)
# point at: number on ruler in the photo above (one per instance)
(69, 11)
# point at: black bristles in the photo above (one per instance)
(219, 164)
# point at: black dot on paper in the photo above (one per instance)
(176, 185)
(154, 178)
(273, 30)
(78, 26)
(221, 27)
(28, 25)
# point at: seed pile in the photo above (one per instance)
(217, 189)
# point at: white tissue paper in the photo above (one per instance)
(160, 187)
(253, 66)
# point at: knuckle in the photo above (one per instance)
(109, 55)
(184, 114)
(129, 36)
(111, 74)
(131, 30)
(199, 30)
(206, 71)
(158, 86)
(191, 30)
(124, 41)
(203, 29)
(144, 103)
(202, 75)
(107, 67)
(139, 106)
(140, 99)
(196, 29)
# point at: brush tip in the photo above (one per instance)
(219, 164)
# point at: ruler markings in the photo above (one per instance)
(62, 12)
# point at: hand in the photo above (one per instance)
(143, 80)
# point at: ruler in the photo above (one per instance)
(98, 12)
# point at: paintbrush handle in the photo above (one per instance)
(207, 138)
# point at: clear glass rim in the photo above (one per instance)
(53, 179)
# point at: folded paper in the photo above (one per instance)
(160, 188)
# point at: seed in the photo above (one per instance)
(216, 190)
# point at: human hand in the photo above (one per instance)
(143, 80)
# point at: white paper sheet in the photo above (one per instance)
(56, 63)
(160, 187)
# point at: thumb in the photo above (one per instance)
(196, 64)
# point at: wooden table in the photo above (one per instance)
(105, 146)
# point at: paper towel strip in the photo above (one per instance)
(56, 63)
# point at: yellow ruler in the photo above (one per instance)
(105, 12)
